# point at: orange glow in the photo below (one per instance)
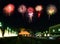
(23, 32)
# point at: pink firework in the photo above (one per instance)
(22, 9)
(30, 13)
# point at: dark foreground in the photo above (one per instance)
(25, 40)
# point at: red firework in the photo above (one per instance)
(8, 9)
(30, 10)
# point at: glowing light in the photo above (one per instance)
(48, 34)
(51, 10)
(45, 35)
(58, 29)
(0, 33)
(6, 33)
(39, 8)
(30, 13)
(9, 34)
(0, 24)
(8, 9)
(30, 16)
(53, 30)
(23, 32)
(22, 9)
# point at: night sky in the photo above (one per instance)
(16, 20)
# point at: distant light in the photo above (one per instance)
(22, 9)
(8, 28)
(9, 9)
(0, 24)
(46, 31)
(58, 29)
(45, 34)
(53, 30)
(48, 34)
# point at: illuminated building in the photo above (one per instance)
(23, 32)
